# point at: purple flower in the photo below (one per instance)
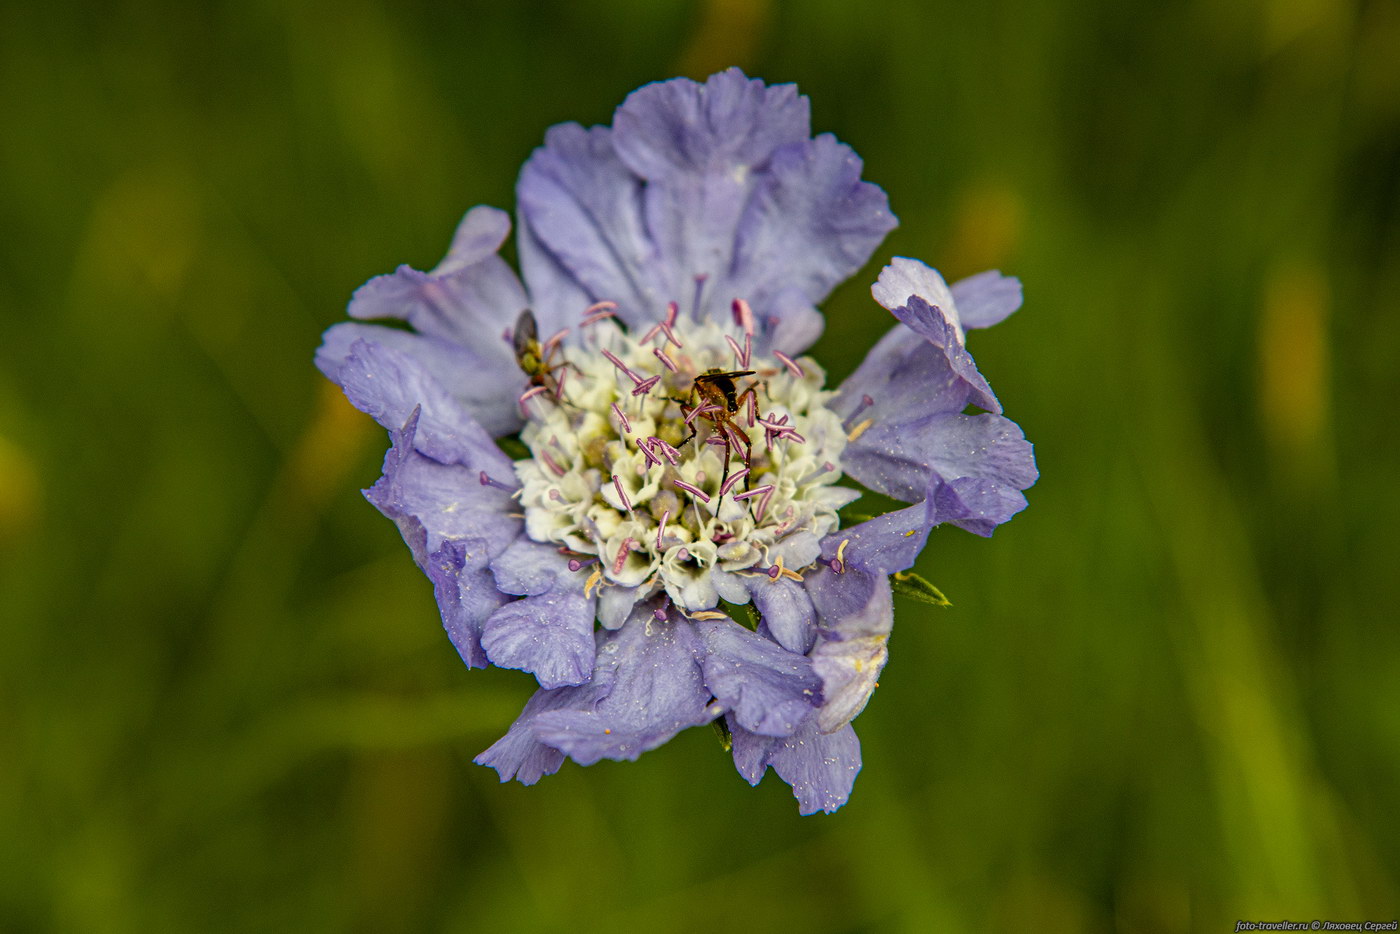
(683, 453)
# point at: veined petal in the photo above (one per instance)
(447, 499)
(855, 612)
(518, 754)
(387, 374)
(811, 223)
(466, 594)
(769, 690)
(656, 690)
(584, 207)
(986, 299)
(787, 612)
(820, 767)
(549, 635)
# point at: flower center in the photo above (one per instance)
(675, 459)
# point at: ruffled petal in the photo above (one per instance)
(518, 754)
(466, 594)
(811, 223)
(656, 690)
(855, 611)
(974, 465)
(584, 208)
(787, 612)
(986, 299)
(387, 374)
(886, 544)
(549, 635)
(768, 689)
(448, 500)
(820, 767)
(528, 568)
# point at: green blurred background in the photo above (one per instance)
(1166, 697)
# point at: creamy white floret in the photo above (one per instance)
(591, 488)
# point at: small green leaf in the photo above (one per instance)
(726, 739)
(909, 584)
(513, 447)
(744, 615)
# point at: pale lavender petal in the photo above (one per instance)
(584, 207)
(811, 223)
(466, 594)
(855, 611)
(550, 636)
(975, 465)
(518, 754)
(704, 150)
(556, 297)
(886, 544)
(986, 298)
(906, 278)
(615, 604)
(528, 568)
(768, 689)
(447, 499)
(787, 612)
(656, 691)
(821, 768)
(388, 383)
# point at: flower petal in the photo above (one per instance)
(787, 612)
(550, 635)
(769, 690)
(387, 373)
(886, 544)
(447, 499)
(466, 593)
(528, 568)
(471, 292)
(855, 611)
(811, 223)
(656, 690)
(701, 149)
(583, 206)
(820, 767)
(986, 298)
(518, 754)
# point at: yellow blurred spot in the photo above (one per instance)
(144, 233)
(986, 228)
(329, 445)
(728, 34)
(1294, 372)
(19, 490)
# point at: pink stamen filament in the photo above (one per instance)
(554, 339)
(666, 361)
(733, 479)
(626, 425)
(661, 530)
(621, 493)
(600, 316)
(828, 467)
(600, 306)
(487, 480)
(791, 364)
(673, 309)
(734, 346)
(698, 494)
(748, 351)
(552, 463)
(626, 371)
(865, 403)
(743, 315)
(576, 565)
(671, 335)
(645, 386)
(623, 550)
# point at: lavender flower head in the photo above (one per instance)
(683, 453)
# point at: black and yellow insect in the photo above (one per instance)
(532, 358)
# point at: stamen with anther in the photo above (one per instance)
(666, 361)
(738, 352)
(551, 463)
(865, 403)
(487, 480)
(661, 531)
(788, 362)
(623, 551)
(743, 315)
(596, 307)
(626, 425)
(828, 467)
(698, 494)
(621, 493)
(733, 479)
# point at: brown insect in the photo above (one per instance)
(532, 357)
(722, 400)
